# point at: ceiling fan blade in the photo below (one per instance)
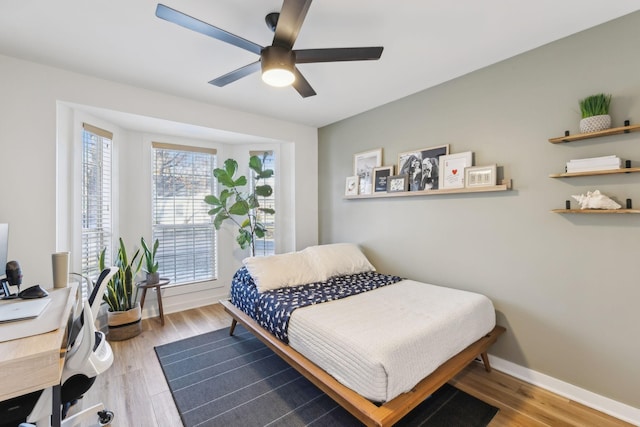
(291, 18)
(236, 74)
(306, 56)
(302, 85)
(191, 23)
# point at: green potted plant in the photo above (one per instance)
(241, 207)
(595, 113)
(151, 265)
(124, 316)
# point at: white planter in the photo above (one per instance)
(153, 278)
(595, 123)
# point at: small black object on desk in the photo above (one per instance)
(33, 292)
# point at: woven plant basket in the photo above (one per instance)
(124, 324)
(595, 123)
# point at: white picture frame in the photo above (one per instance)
(363, 165)
(351, 186)
(452, 169)
(480, 176)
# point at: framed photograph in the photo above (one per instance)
(396, 183)
(351, 186)
(363, 164)
(452, 168)
(480, 176)
(380, 176)
(421, 166)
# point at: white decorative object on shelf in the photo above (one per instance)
(595, 200)
(595, 123)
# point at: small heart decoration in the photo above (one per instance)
(455, 171)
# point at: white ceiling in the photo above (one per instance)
(426, 42)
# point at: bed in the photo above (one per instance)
(377, 344)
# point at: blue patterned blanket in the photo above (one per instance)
(272, 309)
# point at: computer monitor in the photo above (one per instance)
(4, 247)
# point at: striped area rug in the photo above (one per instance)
(222, 380)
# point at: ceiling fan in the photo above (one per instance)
(278, 61)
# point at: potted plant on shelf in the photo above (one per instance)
(151, 265)
(595, 113)
(238, 206)
(124, 316)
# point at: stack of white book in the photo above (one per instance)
(594, 164)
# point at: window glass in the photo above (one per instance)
(182, 177)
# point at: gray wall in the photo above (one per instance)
(567, 287)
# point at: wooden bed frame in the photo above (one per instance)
(367, 412)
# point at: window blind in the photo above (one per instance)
(182, 177)
(266, 245)
(96, 218)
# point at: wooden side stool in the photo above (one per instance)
(144, 286)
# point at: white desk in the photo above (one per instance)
(35, 363)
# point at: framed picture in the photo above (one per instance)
(351, 186)
(452, 168)
(380, 176)
(363, 164)
(480, 176)
(396, 183)
(421, 167)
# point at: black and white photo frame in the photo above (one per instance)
(422, 167)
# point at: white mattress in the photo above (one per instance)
(383, 342)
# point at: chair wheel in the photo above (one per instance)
(105, 417)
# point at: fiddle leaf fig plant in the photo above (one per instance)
(240, 205)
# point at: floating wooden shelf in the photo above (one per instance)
(592, 173)
(506, 185)
(606, 132)
(596, 211)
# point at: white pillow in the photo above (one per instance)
(338, 259)
(279, 271)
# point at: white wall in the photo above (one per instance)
(567, 287)
(40, 111)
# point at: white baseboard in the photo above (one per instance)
(603, 404)
(176, 303)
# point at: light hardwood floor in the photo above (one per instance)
(135, 388)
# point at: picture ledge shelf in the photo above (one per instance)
(606, 132)
(596, 211)
(504, 186)
(592, 173)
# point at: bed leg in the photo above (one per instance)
(234, 322)
(485, 361)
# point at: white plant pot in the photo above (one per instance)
(595, 123)
(153, 278)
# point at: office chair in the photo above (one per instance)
(88, 355)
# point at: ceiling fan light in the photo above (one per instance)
(278, 77)
(277, 66)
